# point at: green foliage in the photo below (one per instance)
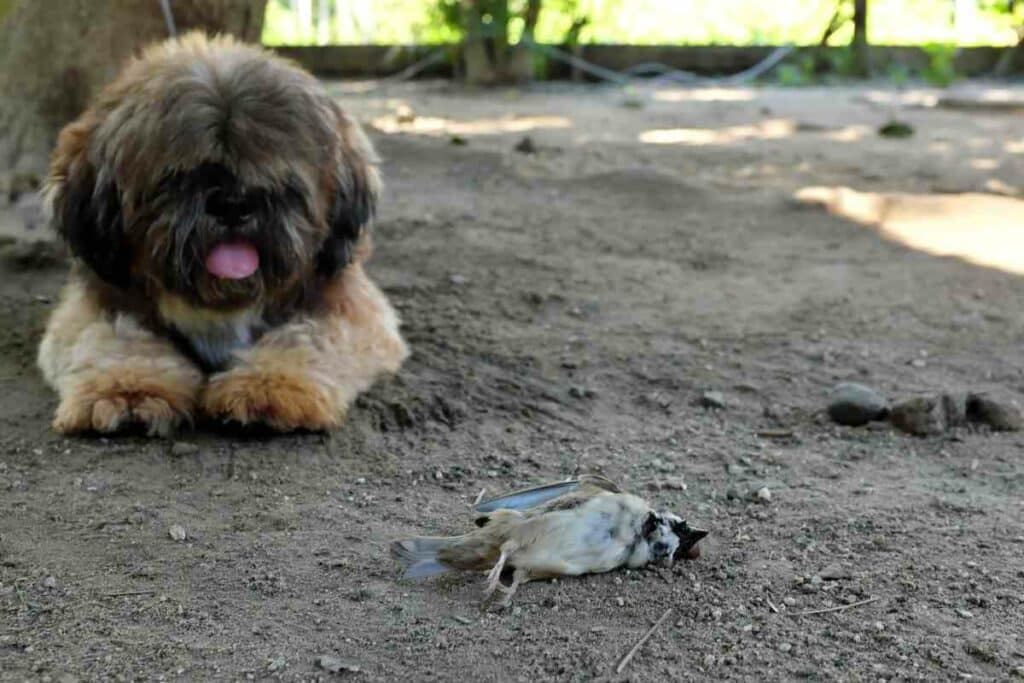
(941, 70)
(898, 73)
(798, 72)
(842, 61)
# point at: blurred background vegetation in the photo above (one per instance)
(644, 22)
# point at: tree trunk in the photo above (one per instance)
(1012, 58)
(862, 57)
(55, 54)
(488, 57)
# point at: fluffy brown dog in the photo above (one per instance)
(216, 201)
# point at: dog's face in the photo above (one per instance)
(213, 172)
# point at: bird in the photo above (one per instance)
(586, 525)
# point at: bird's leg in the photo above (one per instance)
(519, 576)
(494, 576)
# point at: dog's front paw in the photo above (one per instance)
(283, 401)
(119, 401)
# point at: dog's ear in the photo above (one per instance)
(357, 186)
(85, 209)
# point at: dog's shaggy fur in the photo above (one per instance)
(197, 143)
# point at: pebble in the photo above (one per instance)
(177, 532)
(621, 602)
(182, 448)
(835, 572)
(337, 664)
(526, 146)
(458, 280)
(879, 626)
(854, 405)
(709, 661)
(713, 399)
(763, 495)
(785, 647)
(50, 582)
(999, 413)
(789, 602)
(672, 484)
(964, 614)
(920, 416)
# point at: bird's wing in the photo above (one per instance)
(525, 499)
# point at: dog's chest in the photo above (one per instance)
(212, 336)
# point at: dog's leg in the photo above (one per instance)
(306, 373)
(112, 373)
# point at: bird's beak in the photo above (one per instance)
(688, 541)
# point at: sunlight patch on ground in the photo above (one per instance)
(771, 129)
(983, 229)
(850, 133)
(433, 125)
(705, 95)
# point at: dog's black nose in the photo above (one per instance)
(660, 548)
(229, 209)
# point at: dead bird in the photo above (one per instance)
(581, 526)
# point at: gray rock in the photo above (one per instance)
(997, 412)
(920, 416)
(835, 572)
(713, 399)
(853, 404)
(337, 665)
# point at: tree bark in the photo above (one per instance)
(489, 58)
(862, 57)
(55, 54)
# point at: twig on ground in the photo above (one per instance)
(124, 594)
(772, 605)
(479, 497)
(840, 608)
(640, 643)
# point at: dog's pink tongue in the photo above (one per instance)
(233, 260)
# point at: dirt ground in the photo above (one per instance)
(568, 308)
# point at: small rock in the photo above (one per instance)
(673, 484)
(581, 392)
(896, 129)
(458, 141)
(709, 661)
(854, 404)
(788, 601)
(337, 665)
(405, 114)
(50, 582)
(964, 614)
(621, 602)
(879, 626)
(177, 532)
(277, 664)
(763, 495)
(835, 572)
(999, 413)
(183, 448)
(919, 363)
(785, 647)
(526, 146)
(920, 416)
(458, 280)
(713, 399)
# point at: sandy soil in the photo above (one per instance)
(568, 308)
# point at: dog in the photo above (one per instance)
(216, 203)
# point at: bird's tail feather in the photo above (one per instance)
(418, 556)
